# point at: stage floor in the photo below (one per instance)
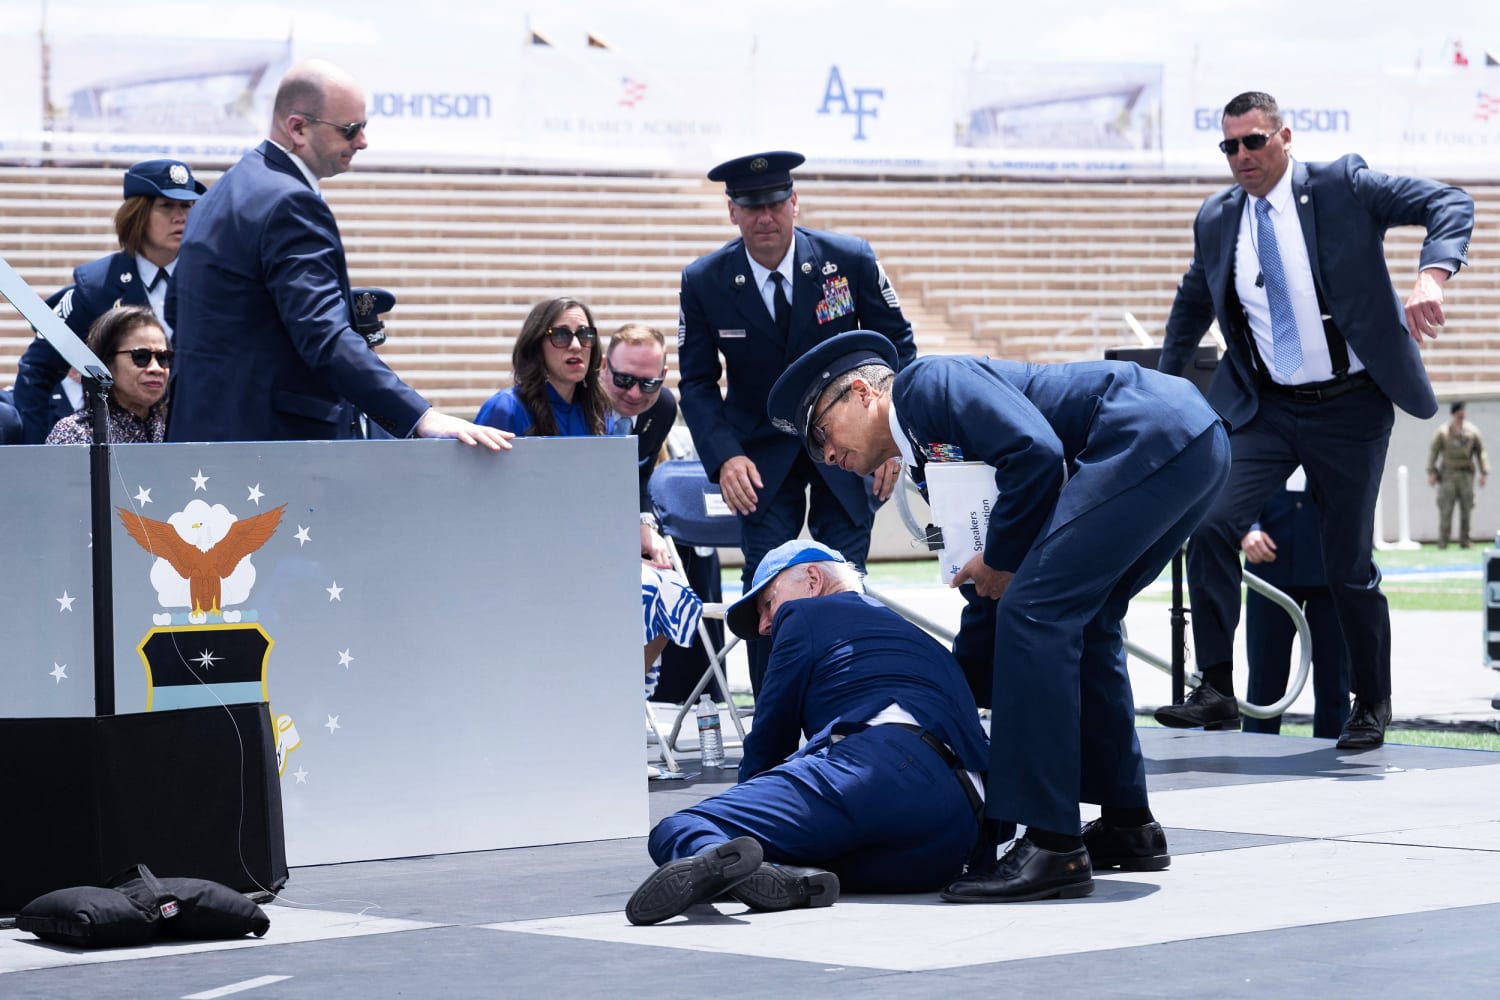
(1297, 870)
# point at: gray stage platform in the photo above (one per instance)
(1298, 870)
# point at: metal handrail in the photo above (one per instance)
(1255, 583)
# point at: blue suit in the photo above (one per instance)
(723, 313)
(1291, 519)
(97, 287)
(880, 808)
(1103, 469)
(1344, 209)
(262, 318)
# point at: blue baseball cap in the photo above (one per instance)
(163, 179)
(797, 391)
(743, 617)
(758, 179)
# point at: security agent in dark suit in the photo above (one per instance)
(885, 794)
(760, 302)
(149, 225)
(1284, 550)
(1102, 470)
(1291, 262)
(261, 301)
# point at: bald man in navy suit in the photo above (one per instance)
(1291, 263)
(760, 302)
(261, 303)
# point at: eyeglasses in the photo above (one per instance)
(624, 382)
(561, 336)
(1255, 142)
(348, 131)
(141, 357)
(815, 426)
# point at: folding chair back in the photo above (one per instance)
(692, 512)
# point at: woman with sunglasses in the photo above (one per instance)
(559, 393)
(149, 225)
(131, 343)
(555, 364)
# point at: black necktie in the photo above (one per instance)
(161, 279)
(783, 311)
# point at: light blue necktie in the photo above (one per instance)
(1286, 345)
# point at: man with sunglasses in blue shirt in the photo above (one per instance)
(260, 301)
(1319, 346)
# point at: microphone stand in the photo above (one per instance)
(96, 384)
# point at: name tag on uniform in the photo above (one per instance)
(730, 334)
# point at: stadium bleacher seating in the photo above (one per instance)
(1022, 269)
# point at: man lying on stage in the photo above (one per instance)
(885, 795)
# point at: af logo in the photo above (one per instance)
(835, 93)
(205, 655)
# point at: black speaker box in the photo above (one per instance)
(1200, 370)
(187, 792)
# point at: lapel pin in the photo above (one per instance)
(739, 279)
(1303, 199)
(806, 267)
(829, 267)
(125, 278)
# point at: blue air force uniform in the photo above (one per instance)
(97, 287)
(836, 285)
(879, 807)
(1103, 469)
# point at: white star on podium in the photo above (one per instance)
(200, 482)
(60, 672)
(64, 603)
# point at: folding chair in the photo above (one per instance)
(691, 511)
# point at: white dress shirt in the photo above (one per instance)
(766, 285)
(1317, 366)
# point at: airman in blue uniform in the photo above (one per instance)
(758, 303)
(1102, 470)
(148, 223)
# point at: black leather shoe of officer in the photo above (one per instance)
(679, 884)
(1365, 728)
(773, 888)
(1204, 707)
(1128, 848)
(1027, 872)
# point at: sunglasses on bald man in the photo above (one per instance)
(348, 131)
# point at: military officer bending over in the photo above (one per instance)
(1102, 469)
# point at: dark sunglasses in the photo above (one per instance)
(648, 385)
(815, 426)
(347, 131)
(561, 336)
(1254, 142)
(141, 357)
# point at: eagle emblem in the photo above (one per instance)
(202, 561)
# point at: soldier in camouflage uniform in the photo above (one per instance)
(1457, 449)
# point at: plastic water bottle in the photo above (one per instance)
(710, 736)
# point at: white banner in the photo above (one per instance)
(642, 86)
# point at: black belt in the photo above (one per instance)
(943, 750)
(1318, 392)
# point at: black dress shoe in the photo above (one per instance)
(773, 888)
(1204, 707)
(679, 884)
(1128, 848)
(1026, 872)
(1365, 728)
